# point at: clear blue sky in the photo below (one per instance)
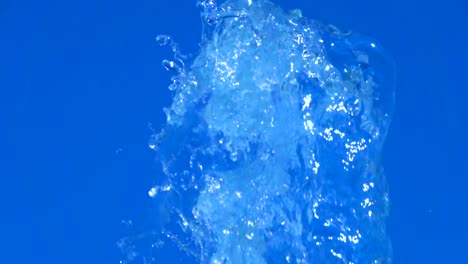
(81, 80)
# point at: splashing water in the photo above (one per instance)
(271, 151)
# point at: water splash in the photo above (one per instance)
(271, 151)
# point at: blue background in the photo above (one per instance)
(80, 82)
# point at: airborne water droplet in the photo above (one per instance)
(163, 40)
(171, 66)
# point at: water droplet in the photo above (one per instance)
(234, 155)
(171, 66)
(172, 87)
(163, 40)
(152, 192)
